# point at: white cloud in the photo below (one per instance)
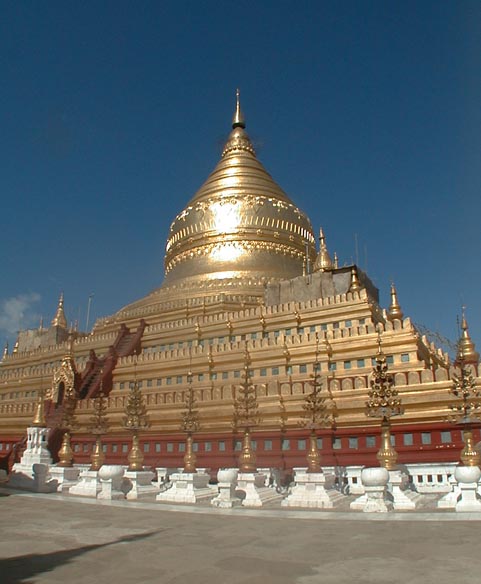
(17, 313)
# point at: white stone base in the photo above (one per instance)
(88, 485)
(450, 499)
(400, 498)
(257, 494)
(67, 477)
(187, 487)
(468, 501)
(309, 491)
(141, 485)
(226, 498)
(36, 479)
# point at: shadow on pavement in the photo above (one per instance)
(18, 570)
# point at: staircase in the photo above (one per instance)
(99, 370)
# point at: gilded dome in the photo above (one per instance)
(240, 225)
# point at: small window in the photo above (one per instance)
(319, 443)
(157, 447)
(390, 359)
(149, 382)
(275, 371)
(170, 447)
(181, 446)
(362, 321)
(169, 380)
(347, 364)
(348, 323)
(404, 357)
(104, 448)
(286, 444)
(323, 327)
(125, 448)
(370, 441)
(76, 447)
(237, 374)
(335, 325)
(446, 437)
(393, 440)
(221, 340)
(302, 368)
(85, 447)
(267, 444)
(361, 363)
(263, 372)
(146, 447)
(337, 444)
(353, 443)
(179, 378)
(208, 446)
(276, 334)
(408, 439)
(254, 444)
(159, 382)
(200, 377)
(301, 444)
(121, 385)
(238, 446)
(253, 336)
(426, 437)
(312, 329)
(287, 332)
(225, 374)
(300, 330)
(289, 370)
(221, 446)
(332, 366)
(115, 448)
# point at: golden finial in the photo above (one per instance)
(39, 417)
(355, 284)
(40, 326)
(15, 347)
(238, 119)
(336, 261)
(5, 350)
(395, 311)
(466, 348)
(59, 318)
(323, 261)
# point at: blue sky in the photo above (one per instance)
(113, 114)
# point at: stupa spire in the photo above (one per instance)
(355, 284)
(238, 120)
(395, 311)
(5, 350)
(466, 347)
(323, 261)
(59, 318)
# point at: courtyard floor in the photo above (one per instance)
(53, 539)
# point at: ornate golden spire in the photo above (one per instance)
(336, 261)
(5, 350)
(15, 347)
(466, 348)
(395, 311)
(238, 120)
(355, 284)
(240, 228)
(39, 417)
(323, 261)
(59, 318)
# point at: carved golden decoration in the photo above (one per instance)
(65, 453)
(323, 261)
(384, 402)
(247, 459)
(39, 417)
(470, 456)
(59, 318)
(98, 426)
(135, 419)
(395, 311)
(466, 348)
(190, 424)
(355, 284)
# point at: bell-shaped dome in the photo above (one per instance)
(240, 225)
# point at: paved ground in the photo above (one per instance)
(67, 541)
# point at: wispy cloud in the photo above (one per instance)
(17, 313)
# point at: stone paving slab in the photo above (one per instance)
(53, 539)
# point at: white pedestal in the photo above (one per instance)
(400, 498)
(88, 485)
(187, 487)
(39, 481)
(111, 477)
(374, 499)
(309, 491)
(142, 486)
(257, 494)
(67, 477)
(35, 452)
